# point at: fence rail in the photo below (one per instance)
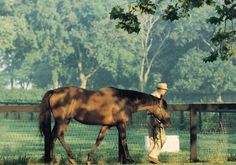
(192, 108)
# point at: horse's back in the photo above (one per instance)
(81, 104)
(66, 93)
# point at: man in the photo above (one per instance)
(157, 135)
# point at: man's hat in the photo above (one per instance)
(162, 86)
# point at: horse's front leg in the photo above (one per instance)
(120, 150)
(103, 131)
(125, 151)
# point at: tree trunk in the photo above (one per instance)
(83, 80)
(55, 84)
(147, 60)
(142, 84)
(12, 75)
(221, 124)
(55, 78)
(12, 83)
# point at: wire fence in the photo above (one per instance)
(20, 137)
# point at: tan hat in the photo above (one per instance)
(162, 86)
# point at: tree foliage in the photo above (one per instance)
(193, 74)
(58, 43)
(223, 39)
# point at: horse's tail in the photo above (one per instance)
(45, 115)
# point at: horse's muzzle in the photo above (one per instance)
(167, 123)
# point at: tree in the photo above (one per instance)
(53, 44)
(16, 38)
(186, 34)
(7, 37)
(151, 41)
(82, 36)
(224, 38)
(67, 42)
(158, 40)
(192, 74)
(97, 45)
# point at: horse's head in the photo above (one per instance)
(160, 112)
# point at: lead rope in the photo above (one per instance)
(159, 132)
(161, 136)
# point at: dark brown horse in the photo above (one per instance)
(106, 107)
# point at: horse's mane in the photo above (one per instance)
(133, 95)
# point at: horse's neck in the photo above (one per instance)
(142, 108)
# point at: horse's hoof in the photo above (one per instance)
(71, 162)
(120, 160)
(128, 161)
(54, 162)
(88, 162)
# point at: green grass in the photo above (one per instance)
(20, 143)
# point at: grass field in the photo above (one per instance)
(20, 143)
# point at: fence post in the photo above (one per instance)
(193, 135)
(200, 121)
(181, 122)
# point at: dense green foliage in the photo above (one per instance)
(225, 15)
(46, 44)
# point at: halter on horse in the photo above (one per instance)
(106, 107)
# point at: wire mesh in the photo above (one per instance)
(215, 143)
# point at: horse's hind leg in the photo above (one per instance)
(59, 133)
(53, 141)
(63, 126)
(101, 135)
